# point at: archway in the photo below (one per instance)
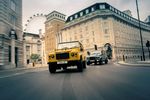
(108, 49)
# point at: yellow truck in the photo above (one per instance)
(66, 55)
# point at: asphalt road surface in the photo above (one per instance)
(100, 82)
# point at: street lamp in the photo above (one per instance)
(143, 55)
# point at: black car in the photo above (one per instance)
(97, 58)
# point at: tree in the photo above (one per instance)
(34, 58)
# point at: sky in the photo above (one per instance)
(69, 7)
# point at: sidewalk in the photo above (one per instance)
(136, 63)
(25, 67)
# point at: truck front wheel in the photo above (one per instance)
(52, 68)
(84, 64)
(80, 66)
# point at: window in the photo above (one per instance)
(76, 16)
(93, 39)
(102, 6)
(75, 37)
(81, 36)
(93, 33)
(106, 31)
(70, 39)
(116, 10)
(71, 18)
(13, 19)
(81, 13)
(111, 8)
(87, 11)
(87, 40)
(13, 5)
(86, 28)
(27, 48)
(92, 9)
(80, 29)
(9, 55)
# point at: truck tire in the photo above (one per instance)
(84, 64)
(88, 63)
(52, 68)
(80, 66)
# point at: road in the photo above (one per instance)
(100, 82)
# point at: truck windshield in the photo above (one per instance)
(68, 45)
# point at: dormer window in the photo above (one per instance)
(87, 11)
(71, 18)
(76, 16)
(81, 13)
(102, 6)
(92, 9)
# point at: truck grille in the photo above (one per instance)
(62, 56)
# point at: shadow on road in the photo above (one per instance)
(68, 71)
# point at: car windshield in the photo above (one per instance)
(68, 45)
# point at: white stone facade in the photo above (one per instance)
(34, 44)
(100, 24)
(11, 45)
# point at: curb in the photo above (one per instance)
(136, 65)
(21, 68)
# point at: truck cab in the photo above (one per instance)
(66, 55)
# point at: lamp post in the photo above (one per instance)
(143, 55)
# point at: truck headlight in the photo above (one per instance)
(51, 56)
(74, 54)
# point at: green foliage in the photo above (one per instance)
(35, 57)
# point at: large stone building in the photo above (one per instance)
(11, 45)
(55, 21)
(102, 25)
(33, 45)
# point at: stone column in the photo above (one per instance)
(13, 65)
(24, 53)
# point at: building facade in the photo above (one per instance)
(54, 23)
(102, 25)
(34, 44)
(11, 45)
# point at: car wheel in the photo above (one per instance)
(95, 63)
(88, 63)
(106, 61)
(100, 62)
